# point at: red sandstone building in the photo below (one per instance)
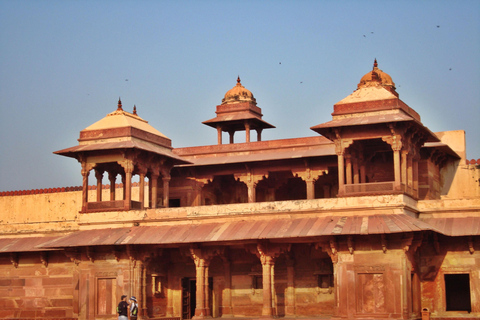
(372, 217)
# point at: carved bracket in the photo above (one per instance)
(44, 258)
(268, 252)
(90, 254)
(14, 259)
(384, 243)
(350, 244)
(470, 245)
(330, 247)
(116, 254)
(73, 255)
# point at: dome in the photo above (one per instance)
(238, 94)
(377, 77)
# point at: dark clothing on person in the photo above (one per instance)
(123, 308)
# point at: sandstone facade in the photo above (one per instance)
(376, 217)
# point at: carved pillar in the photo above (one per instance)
(112, 177)
(259, 134)
(170, 278)
(410, 173)
(86, 167)
(154, 184)
(290, 296)
(341, 173)
(395, 142)
(403, 166)
(219, 135)
(139, 287)
(310, 176)
(268, 263)
(227, 311)
(397, 169)
(340, 146)
(331, 248)
(128, 166)
(123, 185)
(247, 131)
(166, 190)
(202, 261)
(231, 133)
(415, 176)
(348, 169)
(99, 177)
(310, 188)
(198, 194)
(141, 191)
(251, 181)
(267, 254)
(208, 311)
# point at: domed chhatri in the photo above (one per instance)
(238, 94)
(377, 77)
(238, 112)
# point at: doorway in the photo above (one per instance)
(189, 301)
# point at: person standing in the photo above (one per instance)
(122, 308)
(133, 308)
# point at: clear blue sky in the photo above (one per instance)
(63, 65)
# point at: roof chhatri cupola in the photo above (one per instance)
(370, 125)
(377, 78)
(238, 112)
(122, 143)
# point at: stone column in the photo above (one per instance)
(404, 161)
(219, 135)
(140, 287)
(99, 177)
(141, 192)
(200, 311)
(415, 177)
(247, 131)
(290, 296)
(154, 187)
(251, 181)
(396, 169)
(341, 174)
(128, 166)
(259, 134)
(86, 167)
(309, 176)
(410, 173)
(231, 134)
(112, 177)
(123, 185)
(268, 264)
(166, 190)
(227, 311)
(310, 188)
(201, 260)
(208, 311)
(170, 278)
(348, 168)
(267, 254)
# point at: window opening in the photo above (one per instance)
(457, 292)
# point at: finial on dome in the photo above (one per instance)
(119, 105)
(238, 81)
(375, 64)
(134, 109)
